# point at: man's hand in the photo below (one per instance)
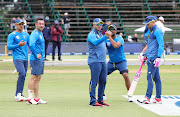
(157, 62)
(141, 57)
(108, 33)
(21, 43)
(39, 56)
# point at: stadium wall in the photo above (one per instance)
(80, 47)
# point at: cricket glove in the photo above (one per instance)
(157, 62)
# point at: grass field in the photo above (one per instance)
(67, 93)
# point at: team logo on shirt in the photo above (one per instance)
(108, 43)
(17, 36)
(24, 36)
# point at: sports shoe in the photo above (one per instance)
(95, 105)
(31, 101)
(103, 103)
(144, 100)
(157, 100)
(20, 98)
(40, 101)
(130, 99)
(24, 99)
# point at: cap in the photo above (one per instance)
(161, 18)
(112, 26)
(149, 19)
(66, 13)
(18, 21)
(97, 20)
(46, 20)
(108, 20)
(156, 18)
(56, 22)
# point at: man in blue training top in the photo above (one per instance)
(97, 62)
(17, 42)
(117, 58)
(37, 47)
(155, 48)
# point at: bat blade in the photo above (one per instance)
(134, 83)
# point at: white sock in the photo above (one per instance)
(30, 94)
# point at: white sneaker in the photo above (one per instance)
(130, 99)
(24, 99)
(42, 102)
(19, 98)
(31, 101)
(144, 100)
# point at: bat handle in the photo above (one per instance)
(141, 65)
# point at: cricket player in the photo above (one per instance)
(117, 58)
(17, 42)
(155, 48)
(97, 62)
(37, 47)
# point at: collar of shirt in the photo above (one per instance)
(96, 31)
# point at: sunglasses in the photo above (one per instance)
(112, 29)
(99, 24)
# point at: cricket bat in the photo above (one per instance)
(135, 81)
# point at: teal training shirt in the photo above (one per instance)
(116, 55)
(96, 47)
(13, 44)
(37, 45)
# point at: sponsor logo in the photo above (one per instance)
(40, 36)
(170, 105)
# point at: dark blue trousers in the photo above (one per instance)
(153, 76)
(98, 75)
(21, 67)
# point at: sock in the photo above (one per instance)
(30, 94)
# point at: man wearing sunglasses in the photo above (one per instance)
(117, 58)
(17, 42)
(97, 62)
(155, 48)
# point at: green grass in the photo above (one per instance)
(67, 94)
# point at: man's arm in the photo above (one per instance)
(92, 38)
(54, 31)
(114, 43)
(159, 37)
(32, 45)
(10, 45)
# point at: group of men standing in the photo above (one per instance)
(99, 39)
(97, 43)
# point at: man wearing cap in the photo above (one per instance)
(97, 62)
(117, 58)
(47, 36)
(56, 32)
(155, 48)
(65, 21)
(17, 42)
(105, 26)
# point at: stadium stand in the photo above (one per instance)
(126, 14)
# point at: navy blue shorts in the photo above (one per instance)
(121, 66)
(37, 67)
